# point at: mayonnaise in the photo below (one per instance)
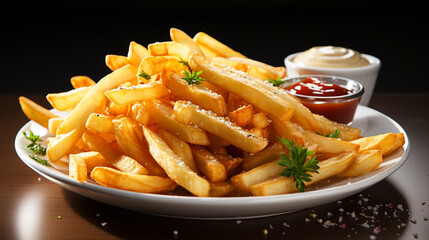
(331, 57)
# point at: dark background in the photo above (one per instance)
(43, 44)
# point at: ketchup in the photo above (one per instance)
(315, 87)
(313, 92)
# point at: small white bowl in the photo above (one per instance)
(366, 75)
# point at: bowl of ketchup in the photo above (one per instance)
(334, 97)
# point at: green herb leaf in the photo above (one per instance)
(276, 82)
(144, 75)
(296, 164)
(184, 62)
(193, 77)
(334, 134)
(32, 137)
(39, 160)
(35, 147)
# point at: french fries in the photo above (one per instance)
(81, 81)
(35, 112)
(174, 49)
(215, 46)
(189, 113)
(120, 161)
(110, 177)
(209, 165)
(136, 53)
(194, 113)
(259, 97)
(114, 62)
(195, 93)
(163, 115)
(143, 92)
(129, 142)
(173, 165)
(283, 185)
(66, 101)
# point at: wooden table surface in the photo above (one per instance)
(32, 207)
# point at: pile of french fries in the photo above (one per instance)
(144, 128)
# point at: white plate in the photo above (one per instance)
(370, 121)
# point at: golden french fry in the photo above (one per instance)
(327, 144)
(136, 53)
(174, 49)
(196, 93)
(162, 114)
(180, 147)
(263, 133)
(239, 84)
(121, 162)
(179, 36)
(208, 164)
(216, 141)
(77, 168)
(190, 113)
(260, 120)
(99, 123)
(140, 113)
(383, 142)
(365, 162)
(114, 62)
(245, 180)
(242, 116)
(207, 52)
(268, 154)
(289, 130)
(66, 101)
(399, 142)
(260, 73)
(35, 112)
(283, 185)
(152, 65)
(142, 92)
(62, 144)
(215, 46)
(81, 81)
(113, 108)
(175, 168)
(260, 169)
(263, 68)
(347, 133)
(227, 62)
(110, 177)
(130, 144)
(54, 123)
(92, 159)
(95, 98)
(221, 189)
(231, 164)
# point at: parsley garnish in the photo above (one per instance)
(193, 77)
(184, 62)
(276, 82)
(334, 134)
(296, 165)
(34, 146)
(144, 75)
(39, 160)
